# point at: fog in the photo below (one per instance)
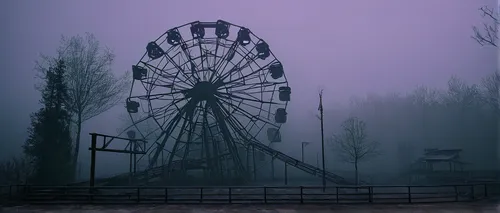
(369, 57)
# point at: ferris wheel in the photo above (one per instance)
(207, 90)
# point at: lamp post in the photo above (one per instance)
(320, 108)
(303, 145)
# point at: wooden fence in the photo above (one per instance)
(29, 194)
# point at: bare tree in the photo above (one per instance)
(92, 86)
(461, 94)
(491, 90)
(489, 34)
(353, 145)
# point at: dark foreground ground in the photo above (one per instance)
(482, 206)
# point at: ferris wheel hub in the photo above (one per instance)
(202, 91)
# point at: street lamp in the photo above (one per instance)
(303, 145)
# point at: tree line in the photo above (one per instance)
(398, 127)
(76, 85)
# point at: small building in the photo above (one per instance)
(439, 165)
(439, 159)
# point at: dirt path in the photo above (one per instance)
(448, 208)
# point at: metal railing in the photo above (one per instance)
(248, 194)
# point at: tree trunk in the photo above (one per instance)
(356, 174)
(77, 145)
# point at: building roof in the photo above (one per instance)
(441, 154)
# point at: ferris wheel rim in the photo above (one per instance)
(141, 82)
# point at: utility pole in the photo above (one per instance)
(320, 108)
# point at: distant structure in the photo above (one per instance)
(439, 165)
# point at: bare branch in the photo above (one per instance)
(92, 86)
(489, 34)
(491, 90)
(352, 144)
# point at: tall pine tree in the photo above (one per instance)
(49, 142)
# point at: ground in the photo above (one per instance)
(483, 206)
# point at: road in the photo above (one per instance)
(483, 206)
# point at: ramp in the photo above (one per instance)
(315, 171)
(155, 172)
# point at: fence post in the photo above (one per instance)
(201, 194)
(93, 146)
(337, 193)
(485, 190)
(265, 194)
(10, 193)
(409, 194)
(370, 194)
(456, 193)
(166, 195)
(286, 173)
(138, 194)
(229, 194)
(301, 194)
(472, 192)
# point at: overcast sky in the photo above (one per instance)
(348, 47)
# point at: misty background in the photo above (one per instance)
(348, 48)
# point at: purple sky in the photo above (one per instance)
(348, 47)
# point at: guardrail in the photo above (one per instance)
(247, 194)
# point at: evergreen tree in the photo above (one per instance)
(49, 140)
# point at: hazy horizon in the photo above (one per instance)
(349, 48)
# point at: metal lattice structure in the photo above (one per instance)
(202, 93)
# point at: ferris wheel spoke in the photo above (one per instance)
(237, 108)
(238, 126)
(188, 113)
(202, 57)
(246, 114)
(153, 96)
(187, 143)
(249, 86)
(261, 95)
(164, 109)
(242, 102)
(156, 145)
(250, 58)
(238, 68)
(219, 63)
(164, 73)
(256, 77)
(226, 134)
(179, 69)
(193, 65)
(217, 43)
(163, 114)
(156, 70)
(257, 71)
(170, 128)
(253, 99)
